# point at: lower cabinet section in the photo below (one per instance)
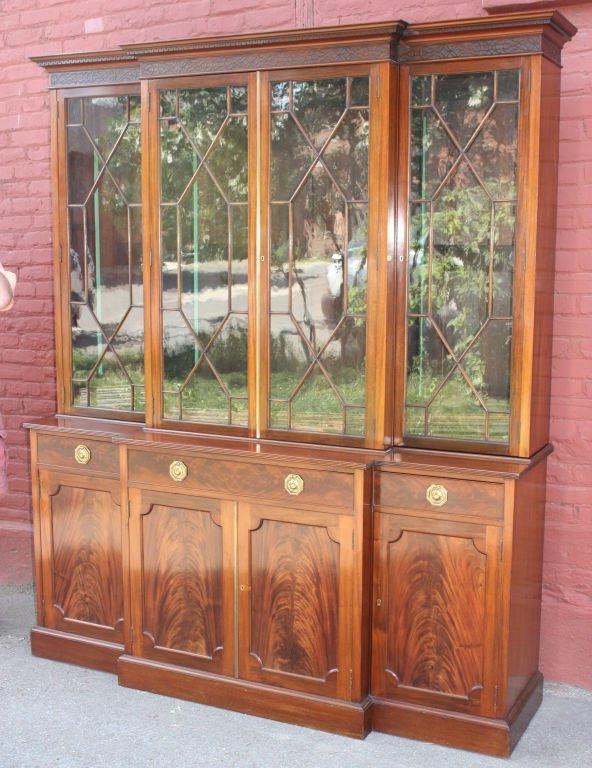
(436, 599)
(415, 617)
(80, 524)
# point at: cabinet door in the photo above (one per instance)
(435, 612)
(317, 199)
(203, 230)
(101, 285)
(81, 536)
(462, 192)
(295, 592)
(181, 563)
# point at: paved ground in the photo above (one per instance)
(58, 716)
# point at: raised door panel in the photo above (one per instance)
(81, 528)
(182, 579)
(295, 591)
(435, 612)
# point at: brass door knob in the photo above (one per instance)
(82, 454)
(437, 495)
(178, 471)
(294, 484)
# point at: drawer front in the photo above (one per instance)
(78, 453)
(291, 486)
(439, 495)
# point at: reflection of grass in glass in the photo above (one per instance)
(133, 362)
(349, 381)
(316, 407)
(455, 413)
(109, 386)
(205, 401)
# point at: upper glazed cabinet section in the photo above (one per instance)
(331, 235)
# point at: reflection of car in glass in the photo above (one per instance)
(332, 301)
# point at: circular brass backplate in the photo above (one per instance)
(178, 471)
(294, 484)
(82, 454)
(437, 495)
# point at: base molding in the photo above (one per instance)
(332, 715)
(73, 649)
(525, 708)
(490, 736)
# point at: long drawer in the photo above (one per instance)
(439, 495)
(243, 479)
(96, 456)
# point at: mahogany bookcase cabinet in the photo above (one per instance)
(304, 291)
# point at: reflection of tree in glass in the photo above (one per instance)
(319, 207)
(105, 251)
(461, 256)
(204, 245)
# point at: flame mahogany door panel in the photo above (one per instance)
(295, 593)
(181, 565)
(435, 612)
(81, 542)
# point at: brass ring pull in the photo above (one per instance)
(178, 471)
(294, 484)
(82, 454)
(437, 495)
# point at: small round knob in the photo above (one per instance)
(294, 484)
(178, 471)
(82, 454)
(437, 495)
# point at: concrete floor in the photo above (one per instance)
(59, 716)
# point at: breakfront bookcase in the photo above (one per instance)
(304, 291)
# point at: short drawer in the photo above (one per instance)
(273, 483)
(78, 453)
(435, 495)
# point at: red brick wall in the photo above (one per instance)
(27, 388)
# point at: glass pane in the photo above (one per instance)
(105, 252)
(432, 153)
(487, 364)
(508, 85)
(280, 96)
(429, 361)
(238, 99)
(461, 242)
(202, 111)
(318, 255)
(463, 101)
(318, 105)
(291, 357)
(461, 231)
(346, 155)
(493, 153)
(204, 254)
(316, 407)
(419, 250)
(360, 92)
(74, 111)
(504, 234)
(421, 91)
(291, 156)
(456, 412)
